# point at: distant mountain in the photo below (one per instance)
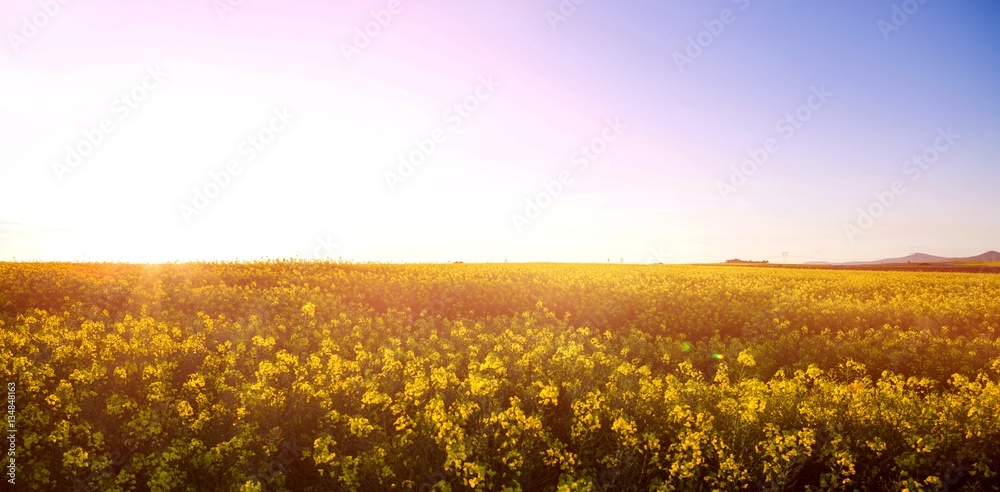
(987, 256)
(920, 258)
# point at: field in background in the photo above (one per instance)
(320, 376)
(982, 267)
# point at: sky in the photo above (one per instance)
(543, 130)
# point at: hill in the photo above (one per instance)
(988, 256)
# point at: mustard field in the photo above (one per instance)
(325, 377)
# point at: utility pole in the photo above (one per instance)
(784, 256)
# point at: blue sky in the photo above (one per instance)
(662, 175)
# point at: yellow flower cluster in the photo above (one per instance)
(326, 376)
